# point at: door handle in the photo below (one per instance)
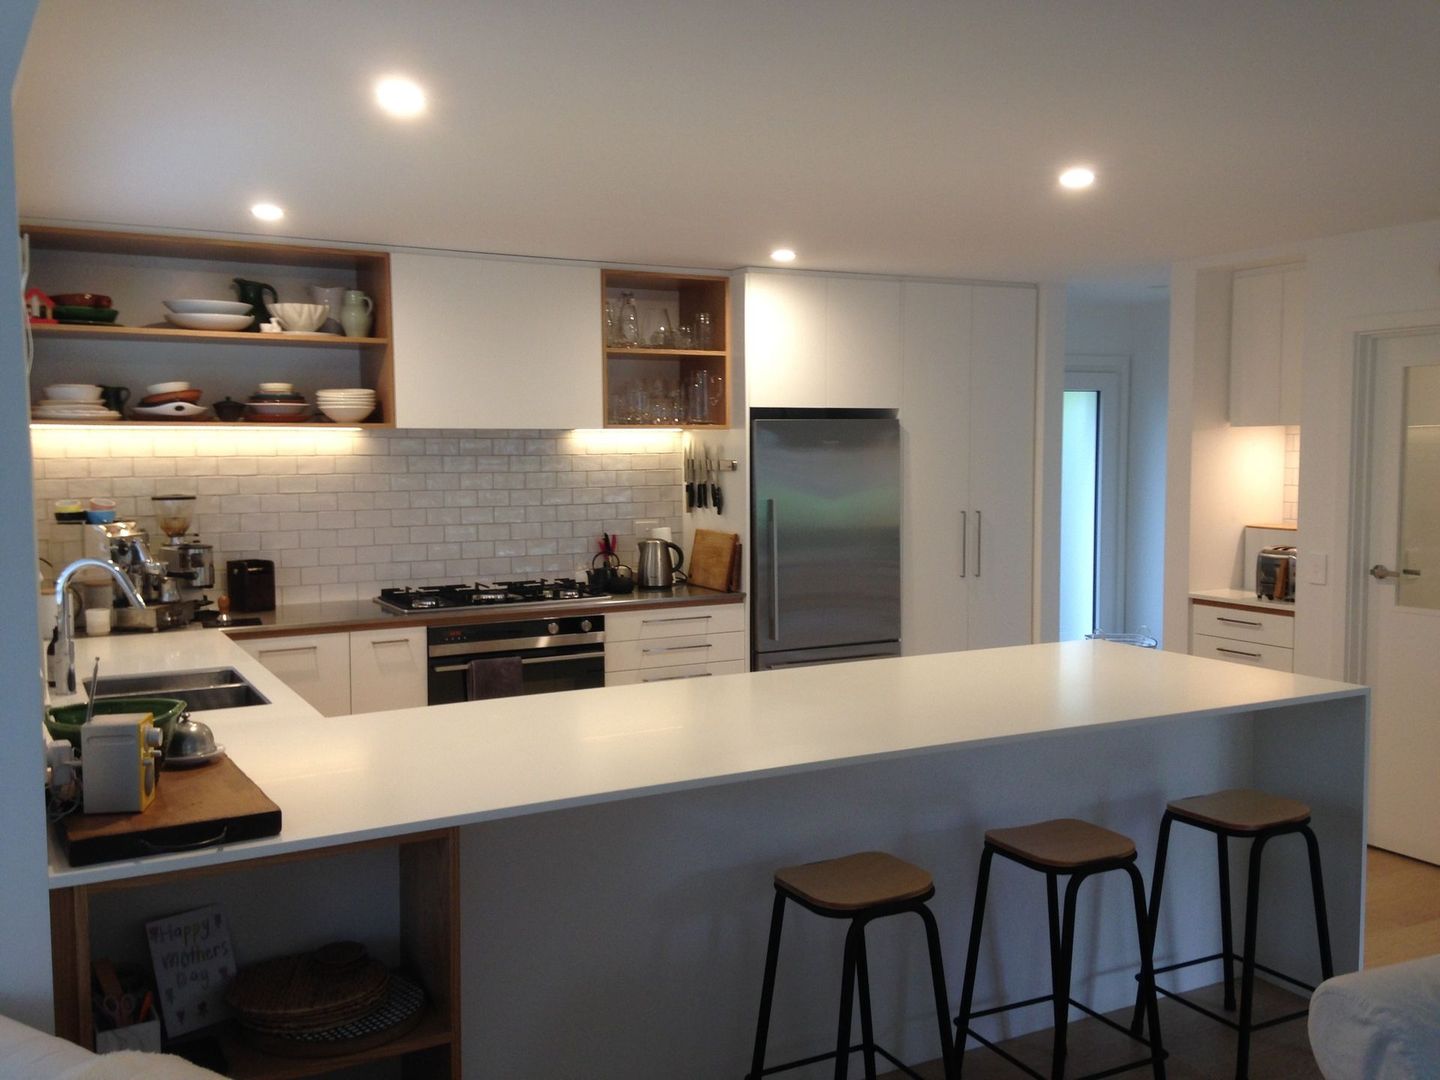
(1238, 652)
(964, 542)
(1381, 572)
(774, 571)
(979, 540)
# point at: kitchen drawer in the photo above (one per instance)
(1240, 624)
(1273, 657)
(670, 674)
(677, 622)
(673, 651)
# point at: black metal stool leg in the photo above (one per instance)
(1247, 976)
(767, 988)
(847, 1003)
(972, 959)
(1147, 972)
(1157, 879)
(937, 980)
(1227, 937)
(867, 1029)
(1317, 889)
(1062, 979)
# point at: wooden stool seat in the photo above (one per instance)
(855, 882)
(1062, 844)
(1240, 810)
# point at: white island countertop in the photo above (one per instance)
(345, 779)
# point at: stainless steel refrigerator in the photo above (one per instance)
(825, 536)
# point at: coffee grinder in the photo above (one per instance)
(187, 561)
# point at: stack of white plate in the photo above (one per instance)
(209, 314)
(346, 406)
(72, 401)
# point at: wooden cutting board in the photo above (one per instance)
(193, 808)
(711, 559)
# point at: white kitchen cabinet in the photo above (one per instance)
(388, 669)
(315, 666)
(650, 646)
(968, 438)
(1243, 635)
(1267, 339)
(816, 341)
(495, 343)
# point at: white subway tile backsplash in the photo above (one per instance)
(345, 513)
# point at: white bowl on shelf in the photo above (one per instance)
(276, 387)
(347, 414)
(300, 318)
(200, 321)
(73, 392)
(165, 388)
(208, 307)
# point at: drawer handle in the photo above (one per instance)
(297, 648)
(1238, 652)
(671, 678)
(678, 618)
(392, 641)
(1239, 622)
(678, 648)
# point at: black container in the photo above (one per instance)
(250, 584)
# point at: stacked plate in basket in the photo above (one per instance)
(72, 401)
(277, 403)
(346, 406)
(209, 314)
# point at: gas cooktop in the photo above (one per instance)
(482, 594)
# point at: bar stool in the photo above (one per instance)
(1078, 850)
(1261, 817)
(862, 888)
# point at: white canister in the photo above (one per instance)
(662, 532)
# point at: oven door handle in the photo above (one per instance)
(445, 668)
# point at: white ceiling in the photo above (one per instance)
(910, 136)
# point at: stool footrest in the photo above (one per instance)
(1236, 958)
(830, 1056)
(1114, 1070)
(1046, 999)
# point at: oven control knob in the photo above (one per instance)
(553, 628)
(585, 625)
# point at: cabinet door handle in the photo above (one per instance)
(392, 641)
(1238, 622)
(295, 649)
(685, 618)
(774, 572)
(671, 678)
(676, 648)
(964, 541)
(1238, 652)
(979, 540)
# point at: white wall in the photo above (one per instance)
(1352, 280)
(1104, 322)
(24, 898)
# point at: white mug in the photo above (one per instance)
(661, 532)
(97, 621)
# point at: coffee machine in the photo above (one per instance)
(171, 585)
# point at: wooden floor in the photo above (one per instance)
(1402, 922)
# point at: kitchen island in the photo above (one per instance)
(616, 844)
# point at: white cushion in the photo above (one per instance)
(1380, 1024)
(28, 1054)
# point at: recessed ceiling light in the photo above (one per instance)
(400, 97)
(1077, 177)
(267, 211)
(783, 255)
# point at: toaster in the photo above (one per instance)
(1275, 573)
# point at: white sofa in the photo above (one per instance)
(28, 1054)
(1379, 1024)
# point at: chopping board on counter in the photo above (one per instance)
(195, 808)
(715, 560)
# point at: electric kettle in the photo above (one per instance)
(655, 569)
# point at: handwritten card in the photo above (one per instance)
(193, 964)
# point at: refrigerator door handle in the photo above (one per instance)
(979, 540)
(774, 571)
(964, 542)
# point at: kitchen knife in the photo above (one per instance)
(689, 482)
(700, 488)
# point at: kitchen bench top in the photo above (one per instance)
(345, 615)
(1243, 598)
(374, 775)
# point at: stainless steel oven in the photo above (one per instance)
(554, 654)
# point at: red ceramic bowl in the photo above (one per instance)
(81, 299)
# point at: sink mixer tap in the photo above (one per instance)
(64, 643)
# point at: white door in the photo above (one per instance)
(1402, 635)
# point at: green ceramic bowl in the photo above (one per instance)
(85, 314)
(65, 721)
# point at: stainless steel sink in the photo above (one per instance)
(212, 688)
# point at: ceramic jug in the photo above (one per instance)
(356, 313)
(253, 293)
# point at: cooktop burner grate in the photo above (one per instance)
(481, 594)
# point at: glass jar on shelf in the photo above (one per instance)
(629, 335)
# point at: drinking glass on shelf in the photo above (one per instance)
(717, 394)
(704, 331)
(684, 336)
(698, 406)
(663, 337)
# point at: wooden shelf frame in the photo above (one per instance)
(429, 935)
(694, 293)
(375, 353)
